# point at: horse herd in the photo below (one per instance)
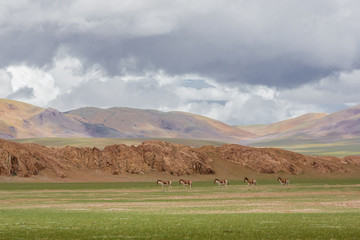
(220, 182)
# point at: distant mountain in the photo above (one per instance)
(152, 123)
(283, 126)
(21, 120)
(344, 124)
(14, 117)
(319, 128)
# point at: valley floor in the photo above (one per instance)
(339, 148)
(307, 209)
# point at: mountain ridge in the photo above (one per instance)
(113, 122)
(158, 157)
(22, 120)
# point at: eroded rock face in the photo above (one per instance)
(175, 159)
(272, 160)
(258, 160)
(17, 160)
(26, 160)
(352, 160)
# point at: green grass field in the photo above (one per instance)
(308, 209)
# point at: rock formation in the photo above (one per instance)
(26, 160)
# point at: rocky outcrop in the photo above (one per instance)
(26, 160)
(19, 160)
(174, 158)
(150, 156)
(272, 160)
(352, 160)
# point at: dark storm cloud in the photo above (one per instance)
(179, 54)
(282, 43)
(242, 62)
(33, 47)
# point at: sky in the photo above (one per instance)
(238, 61)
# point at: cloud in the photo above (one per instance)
(22, 93)
(5, 83)
(67, 84)
(278, 43)
(241, 62)
(31, 84)
(332, 93)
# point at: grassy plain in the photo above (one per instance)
(308, 209)
(339, 148)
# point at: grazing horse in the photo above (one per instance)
(186, 183)
(168, 183)
(250, 182)
(283, 182)
(223, 182)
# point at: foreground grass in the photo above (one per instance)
(50, 224)
(309, 209)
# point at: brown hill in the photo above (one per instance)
(333, 134)
(340, 125)
(283, 126)
(55, 124)
(152, 123)
(13, 118)
(26, 160)
(21, 120)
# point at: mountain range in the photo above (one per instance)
(344, 124)
(22, 120)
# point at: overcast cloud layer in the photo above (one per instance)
(241, 62)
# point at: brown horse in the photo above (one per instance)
(223, 182)
(162, 183)
(250, 182)
(186, 183)
(283, 182)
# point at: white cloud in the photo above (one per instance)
(67, 84)
(339, 88)
(40, 82)
(256, 42)
(5, 83)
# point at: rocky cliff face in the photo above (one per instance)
(150, 156)
(22, 160)
(272, 160)
(26, 160)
